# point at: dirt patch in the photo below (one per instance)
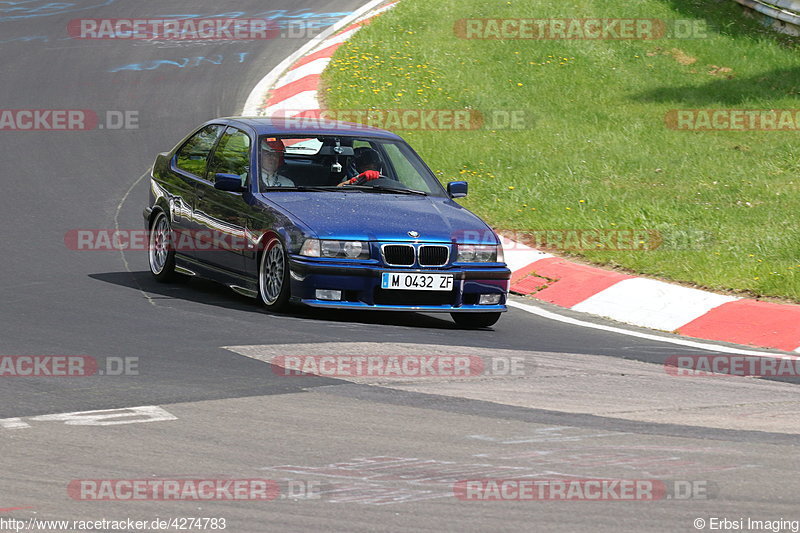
(675, 53)
(685, 59)
(725, 72)
(682, 57)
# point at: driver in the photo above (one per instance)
(368, 166)
(272, 152)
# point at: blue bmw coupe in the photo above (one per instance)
(342, 216)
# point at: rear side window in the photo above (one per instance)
(193, 155)
(232, 155)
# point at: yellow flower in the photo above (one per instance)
(511, 188)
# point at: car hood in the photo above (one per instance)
(381, 217)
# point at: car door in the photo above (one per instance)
(222, 214)
(188, 166)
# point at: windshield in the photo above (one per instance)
(343, 164)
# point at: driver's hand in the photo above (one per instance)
(370, 175)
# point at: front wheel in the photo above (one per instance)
(475, 320)
(273, 276)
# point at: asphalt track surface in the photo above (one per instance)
(592, 403)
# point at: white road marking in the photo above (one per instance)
(105, 417)
(548, 434)
(116, 227)
(671, 340)
(13, 423)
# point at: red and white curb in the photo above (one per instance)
(291, 89)
(652, 303)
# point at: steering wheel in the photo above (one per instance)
(363, 180)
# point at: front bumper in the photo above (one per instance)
(360, 286)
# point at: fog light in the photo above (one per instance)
(328, 295)
(489, 299)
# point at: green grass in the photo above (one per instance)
(598, 154)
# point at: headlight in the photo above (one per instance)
(310, 248)
(335, 249)
(354, 249)
(330, 248)
(480, 253)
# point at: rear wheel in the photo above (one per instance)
(475, 320)
(160, 252)
(273, 276)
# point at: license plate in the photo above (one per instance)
(417, 282)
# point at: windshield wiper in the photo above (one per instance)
(390, 190)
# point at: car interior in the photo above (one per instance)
(326, 161)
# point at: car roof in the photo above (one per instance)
(308, 126)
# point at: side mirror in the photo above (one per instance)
(228, 182)
(457, 189)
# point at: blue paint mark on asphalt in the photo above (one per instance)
(25, 9)
(281, 18)
(184, 62)
(43, 38)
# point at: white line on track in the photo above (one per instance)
(116, 228)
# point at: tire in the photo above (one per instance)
(273, 276)
(475, 320)
(160, 253)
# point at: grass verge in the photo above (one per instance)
(598, 153)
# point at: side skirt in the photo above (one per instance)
(243, 285)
